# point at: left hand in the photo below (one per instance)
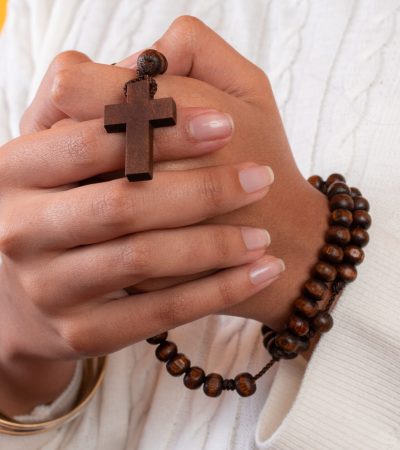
(204, 71)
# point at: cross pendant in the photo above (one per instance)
(137, 117)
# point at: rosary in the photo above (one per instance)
(344, 239)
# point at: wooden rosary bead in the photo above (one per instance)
(317, 182)
(315, 289)
(178, 365)
(304, 344)
(341, 201)
(338, 235)
(333, 178)
(346, 272)
(267, 338)
(166, 350)
(213, 385)
(354, 192)
(359, 237)
(305, 306)
(324, 271)
(337, 188)
(265, 329)
(151, 63)
(361, 203)
(298, 325)
(194, 378)
(331, 253)
(353, 254)
(155, 340)
(245, 384)
(322, 322)
(341, 217)
(361, 219)
(287, 341)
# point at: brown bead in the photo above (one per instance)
(335, 177)
(361, 203)
(331, 253)
(341, 201)
(353, 254)
(338, 235)
(337, 188)
(166, 350)
(178, 365)
(361, 219)
(213, 385)
(354, 192)
(359, 237)
(287, 341)
(315, 289)
(305, 306)
(267, 337)
(324, 271)
(322, 322)
(317, 182)
(341, 217)
(154, 340)
(152, 63)
(194, 378)
(304, 344)
(245, 384)
(346, 272)
(265, 329)
(298, 325)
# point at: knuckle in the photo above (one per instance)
(226, 293)
(187, 24)
(77, 338)
(34, 288)
(61, 85)
(212, 190)
(78, 147)
(112, 205)
(10, 236)
(135, 258)
(172, 311)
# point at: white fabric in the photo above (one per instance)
(334, 69)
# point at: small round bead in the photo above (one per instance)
(265, 329)
(324, 271)
(354, 192)
(304, 344)
(155, 340)
(152, 63)
(166, 350)
(338, 235)
(361, 203)
(331, 253)
(322, 322)
(335, 177)
(298, 325)
(346, 272)
(194, 378)
(341, 201)
(341, 217)
(359, 237)
(317, 182)
(178, 365)
(337, 188)
(268, 337)
(315, 289)
(276, 352)
(213, 385)
(305, 306)
(353, 254)
(245, 384)
(361, 219)
(287, 341)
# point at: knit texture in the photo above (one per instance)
(334, 70)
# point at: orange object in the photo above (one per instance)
(3, 5)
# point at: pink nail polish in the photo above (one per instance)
(255, 178)
(255, 238)
(210, 126)
(265, 269)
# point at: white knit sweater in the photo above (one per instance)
(334, 67)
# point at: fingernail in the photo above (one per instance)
(210, 126)
(130, 61)
(255, 238)
(266, 269)
(255, 178)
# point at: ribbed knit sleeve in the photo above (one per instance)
(348, 396)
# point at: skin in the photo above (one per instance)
(113, 234)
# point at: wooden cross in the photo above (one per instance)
(137, 117)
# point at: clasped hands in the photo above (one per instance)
(192, 242)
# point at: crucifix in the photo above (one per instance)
(138, 117)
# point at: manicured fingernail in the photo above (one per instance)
(255, 238)
(210, 126)
(255, 178)
(266, 269)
